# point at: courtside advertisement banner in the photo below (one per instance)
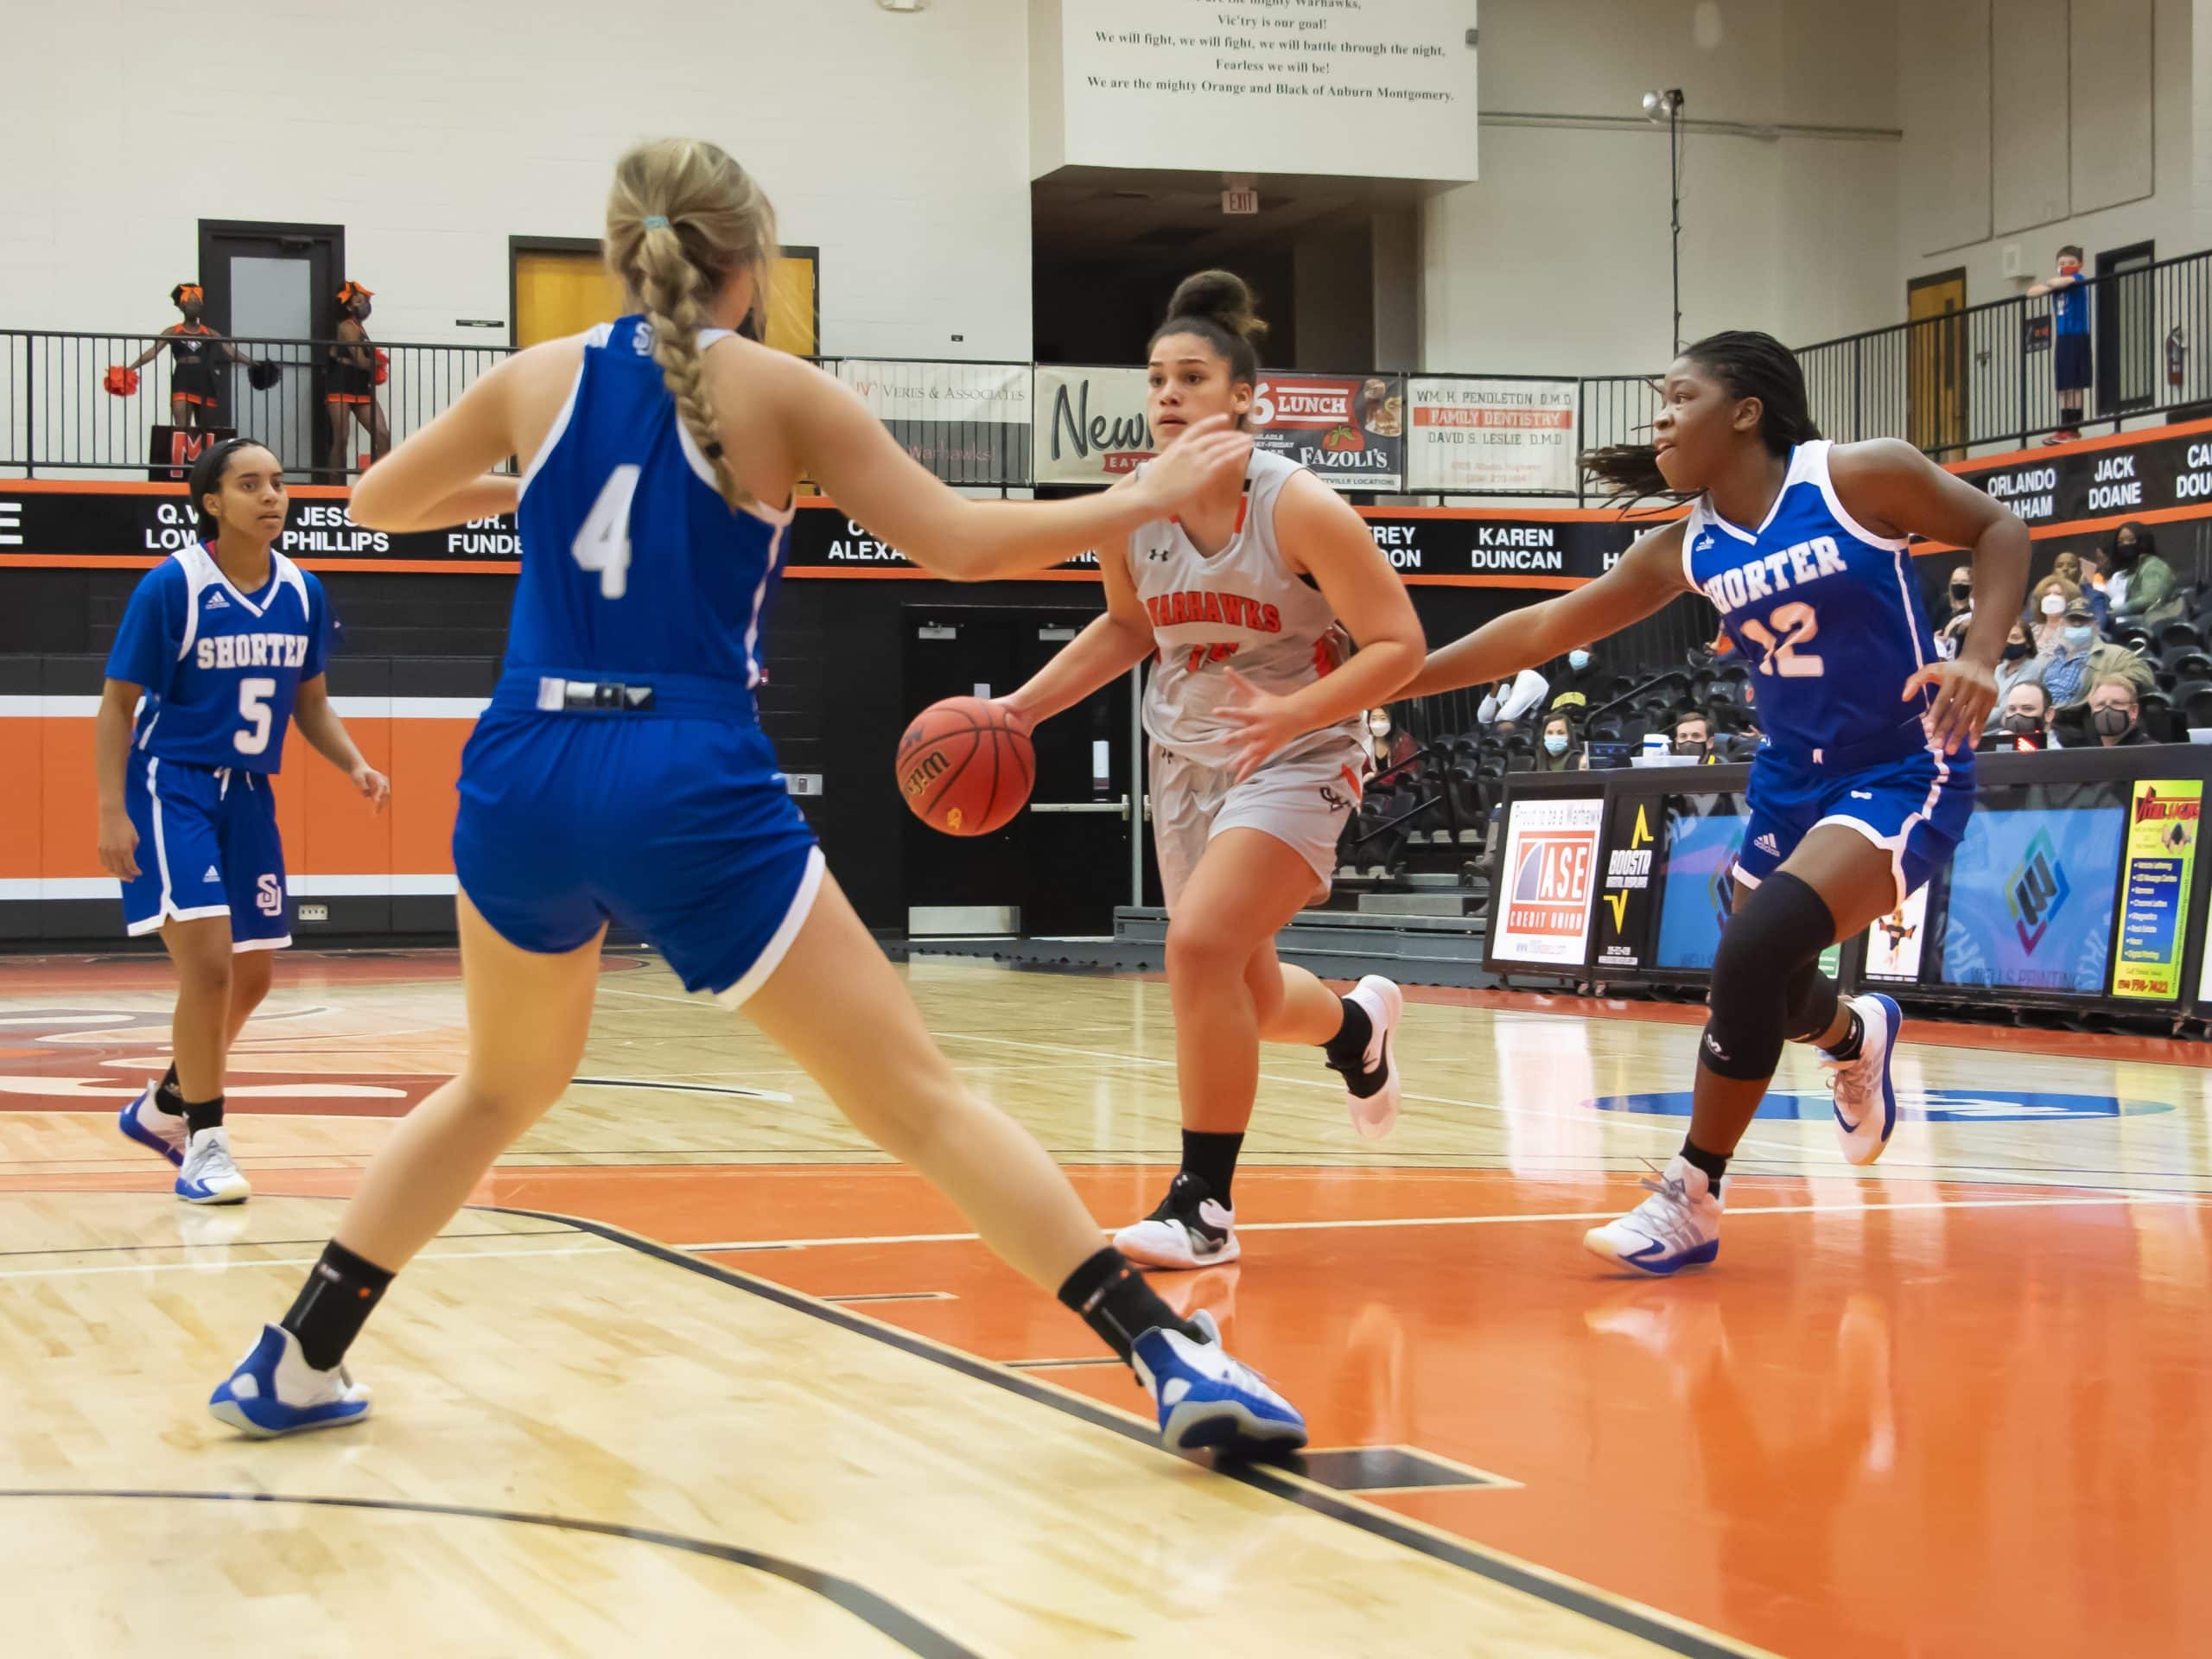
(1624, 901)
(1893, 943)
(1501, 437)
(1350, 433)
(1550, 874)
(1090, 424)
(967, 422)
(2154, 888)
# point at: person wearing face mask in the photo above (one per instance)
(1582, 684)
(1558, 751)
(2081, 659)
(1692, 735)
(2115, 715)
(2142, 588)
(1387, 742)
(2023, 722)
(1954, 627)
(2020, 664)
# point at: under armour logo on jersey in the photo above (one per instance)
(1766, 844)
(1862, 794)
(216, 601)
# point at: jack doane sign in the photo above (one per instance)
(2145, 471)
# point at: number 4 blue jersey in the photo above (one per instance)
(1827, 612)
(219, 667)
(634, 568)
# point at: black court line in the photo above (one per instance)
(885, 1617)
(1498, 1568)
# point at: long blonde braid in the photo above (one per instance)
(682, 219)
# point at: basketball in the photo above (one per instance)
(965, 766)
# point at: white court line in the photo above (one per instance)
(2120, 1200)
(283, 1261)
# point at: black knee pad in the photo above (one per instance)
(1772, 939)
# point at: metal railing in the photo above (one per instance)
(1973, 379)
(1984, 376)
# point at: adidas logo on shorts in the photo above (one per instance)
(1766, 844)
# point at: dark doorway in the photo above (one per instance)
(275, 281)
(2126, 330)
(1064, 863)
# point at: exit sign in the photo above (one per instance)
(1240, 201)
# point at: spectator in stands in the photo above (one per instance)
(2142, 588)
(2115, 715)
(2048, 607)
(2023, 721)
(1559, 751)
(1512, 701)
(1954, 627)
(2089, 578)
(1387, 742)
(2081, 659)
(1584, 683)
(2021, 663)
(2073, 363)
(1693, 734)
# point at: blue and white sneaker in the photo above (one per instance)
(275, 1391)
(1865, 1100)
(144, 1122)
(207, 1175)
(1678, 1226)
(1210, 1401)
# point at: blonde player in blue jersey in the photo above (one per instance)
(1866, 780)
(620, 773)
(220, 651)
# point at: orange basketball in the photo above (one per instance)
(965, 766)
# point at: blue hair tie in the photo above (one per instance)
(655, 222)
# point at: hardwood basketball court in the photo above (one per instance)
(698, 1363)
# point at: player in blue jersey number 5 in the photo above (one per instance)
(220, 650)
(1866, 780)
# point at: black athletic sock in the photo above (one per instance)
(1712, 1163)
(1113, 1300)
(334, 1303)
(168, 1096)
(207, 1115)
(1853, 1040)
(1212, 1159)
(1348, 1048)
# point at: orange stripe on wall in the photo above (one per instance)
(53, 827)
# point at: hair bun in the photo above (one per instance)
(1220, 298)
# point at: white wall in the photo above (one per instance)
(896, 142)
(1558, 260)
(2037, 123)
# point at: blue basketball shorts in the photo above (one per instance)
(208, 846)
(679, 828)
(1914, 808)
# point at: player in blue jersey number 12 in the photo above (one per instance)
(220, 650)
(1864, 785)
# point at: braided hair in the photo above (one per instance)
(682, 219)
(1749, 365)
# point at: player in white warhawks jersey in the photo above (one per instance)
(1255, 710)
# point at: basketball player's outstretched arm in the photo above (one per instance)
(1320, 534)
(1648, 577)
(1892, 489)
(1109, 647)
(869, 475)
